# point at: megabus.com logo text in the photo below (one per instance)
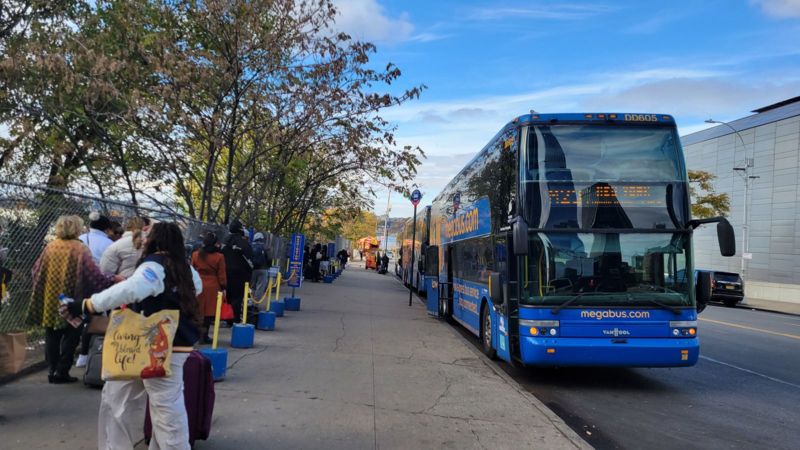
(614, 314)
(462, 224)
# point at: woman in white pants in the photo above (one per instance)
(162, 280)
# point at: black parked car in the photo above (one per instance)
(726, 287)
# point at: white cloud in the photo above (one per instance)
(451, 132)
(549, 11)
(779, 8)
(367, 20)
(653, 24)
(683, 97)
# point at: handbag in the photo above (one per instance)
(97, 325)
(226, 313)
(139, 347)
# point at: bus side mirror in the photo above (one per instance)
(519, 233)
(495, 288)
(702, 290)
(727, 241)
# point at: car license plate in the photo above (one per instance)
(730, 287)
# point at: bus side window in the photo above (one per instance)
(533, 267)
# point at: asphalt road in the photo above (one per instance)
(743, 393)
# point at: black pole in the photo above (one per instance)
(413, 245)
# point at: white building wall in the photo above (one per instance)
(774, 209)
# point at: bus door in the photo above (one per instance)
(432, 279)
(446, 286)
(504, 299)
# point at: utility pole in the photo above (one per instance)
(386, 223)
(743, 171)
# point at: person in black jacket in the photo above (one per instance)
(384, 263)
(239, 266)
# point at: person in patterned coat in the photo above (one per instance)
(65, 267)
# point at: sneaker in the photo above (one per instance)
(82, 360)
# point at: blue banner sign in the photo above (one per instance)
(471, 221)
(296, 260)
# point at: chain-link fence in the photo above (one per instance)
(27, 218)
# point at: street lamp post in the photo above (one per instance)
(744, 172)
(386, 222)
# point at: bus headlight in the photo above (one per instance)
(540, 327)
(685, 328)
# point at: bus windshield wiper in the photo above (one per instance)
(674, 309)
(577, 296)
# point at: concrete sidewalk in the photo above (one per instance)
(356, 368)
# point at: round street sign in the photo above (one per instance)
(416, 196)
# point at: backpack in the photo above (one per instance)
(259, 255)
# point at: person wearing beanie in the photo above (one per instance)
(239, 267)
(97, 237)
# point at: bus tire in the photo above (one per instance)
(447, 310)
(486, 333)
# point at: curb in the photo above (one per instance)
(573, 437)
(755, 308)
(758, 308)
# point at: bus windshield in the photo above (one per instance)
(595, 153)
(603, 176)
(607, 269)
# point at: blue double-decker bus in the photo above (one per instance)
(567, 241)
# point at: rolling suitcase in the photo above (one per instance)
(198, 395)
(94, 365)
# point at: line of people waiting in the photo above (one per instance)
(317, 261)
(107, 267)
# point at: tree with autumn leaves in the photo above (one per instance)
(258, 109)
(706, 202)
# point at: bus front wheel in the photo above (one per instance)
(486, 333)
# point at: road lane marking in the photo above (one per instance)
(745, 327)
(777, 380)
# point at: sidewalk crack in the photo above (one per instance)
(477, 438)
(448, 384)
(344, 333)
(245, 356)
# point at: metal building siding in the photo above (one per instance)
(773, 137)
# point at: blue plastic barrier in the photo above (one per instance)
(242, 335)
(277, 307)
(219, 361)
(292, 303)
(266, 320)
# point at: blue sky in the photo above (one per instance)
(486, 62)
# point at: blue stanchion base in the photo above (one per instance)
(266, 320)
(242, 335)
(219, 361)
(292, 303)
(277, 307)
(328, 279)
